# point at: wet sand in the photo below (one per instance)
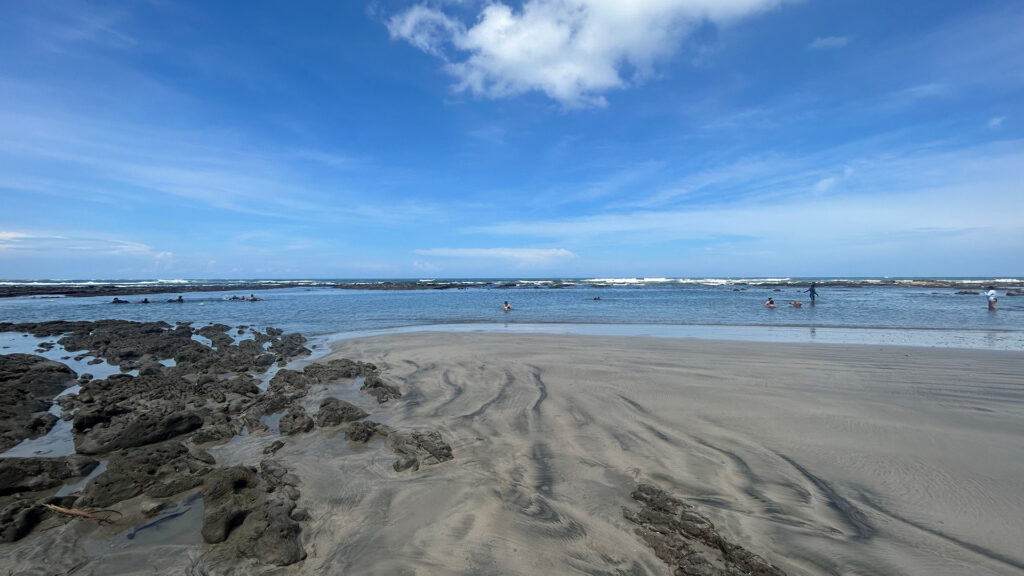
(823, 459)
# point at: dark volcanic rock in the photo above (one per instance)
(379, 389)
(32, 474)
(158, 470)
(217, 334)
(688, 541)
(338, 370)
(415, 448)
(363, 431)
(273, 448)
(18, 518)
(290, 383)
(290, 346)
(295, 421)
(250, 517)
(334, 411)
(138, 423)
(138, 429)
(28, 385)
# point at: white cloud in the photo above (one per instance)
(425, 28)
(7, 237)
(425, 266)
(23, 243)
(827, 42)
(571, 50)
(996, 122)
(521, 257)
(825, 184)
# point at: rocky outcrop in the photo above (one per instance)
(251, 513)
(138, 428)
(295, 421)
(363, 431)
(158, 470)
(334, 412)
(339, 369)
(290, 384)
(415, 448)
(290, 346)
(148, 427)
(379, 389)
(34, 474)
(687, 541)
(28, 385)
(19, 517)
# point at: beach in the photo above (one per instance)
(820, 459)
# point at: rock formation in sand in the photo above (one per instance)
(687, 541)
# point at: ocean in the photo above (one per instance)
(919, 312)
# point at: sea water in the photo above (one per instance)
(861, 312)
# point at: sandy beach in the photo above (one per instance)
(821, 459)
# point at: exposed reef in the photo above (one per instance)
(153, 428)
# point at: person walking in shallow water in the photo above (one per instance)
(991, 294)
(813, 292)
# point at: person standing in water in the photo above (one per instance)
(813, 292)
(991, 294)
(506, 306)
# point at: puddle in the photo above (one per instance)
(203, 340)
(271, 420)
(56, 443)
(21, 343)
(169, 362)
(72, 488)
(265, 378)
(177, 525)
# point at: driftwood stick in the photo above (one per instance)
(76, 513)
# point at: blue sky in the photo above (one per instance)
(434, 139)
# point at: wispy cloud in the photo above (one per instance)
(26, 243)
(829, 42)
(574, 51)
(128, 161)
(996, 122)
(932, 190)
(518, 257)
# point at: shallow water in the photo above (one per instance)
(314, 311)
